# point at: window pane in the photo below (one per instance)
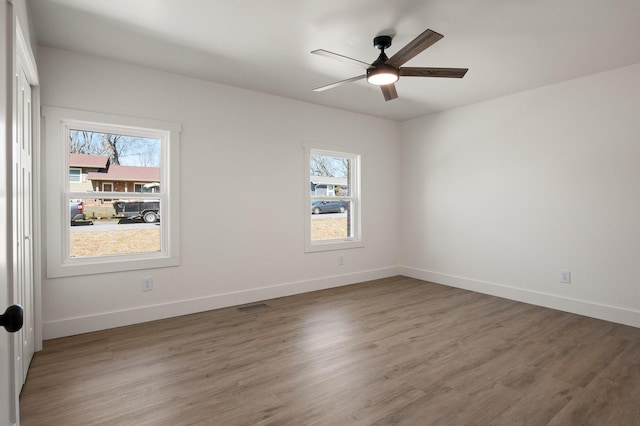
(100, 227)
(330, 176)
(330, 220)
(113, 162)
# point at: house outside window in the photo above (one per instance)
(332, 200)
(129, 228)
(85, 164)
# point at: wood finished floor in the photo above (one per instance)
(392, 351)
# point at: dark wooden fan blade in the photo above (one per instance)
(389, 92)
(417, 45)
(341, 58)
(432, 72)
(338, 83)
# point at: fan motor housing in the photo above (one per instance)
(382, 42)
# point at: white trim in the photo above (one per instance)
(105, 320)
(58, 121)
(26, 55)
(355, 241)
(26, 59)
(576, 306)
(9, 412)
(71, 326)
(36, 156)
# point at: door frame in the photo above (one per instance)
(8, 405)
(24, 81)
(24, 56)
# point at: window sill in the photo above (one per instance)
(107, 265)
(332, 245)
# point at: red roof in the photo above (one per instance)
(87, 160)
(127, 173)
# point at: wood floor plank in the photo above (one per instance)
(392, 351)
(613, 398)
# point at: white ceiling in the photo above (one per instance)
(263, 45)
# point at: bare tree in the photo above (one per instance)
(115, 146)
(146, 152)
(320, 166)
(119, 148)
(83, 142)
(329, 166)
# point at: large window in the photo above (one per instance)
(127, 216)
(333, 200)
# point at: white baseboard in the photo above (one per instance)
(102, 321)
(105, 320)
(576, 306)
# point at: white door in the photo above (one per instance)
(22, 226)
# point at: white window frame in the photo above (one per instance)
(75, 169)
(58, 122)
(141, 187)
(355, 241)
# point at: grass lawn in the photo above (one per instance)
(99, 243)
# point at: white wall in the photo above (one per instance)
(499, 196)
(242, 194)
(495, 197)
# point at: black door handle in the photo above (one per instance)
(11, 320)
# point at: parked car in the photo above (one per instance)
(326, 206)
(76, 208)
(78, 218)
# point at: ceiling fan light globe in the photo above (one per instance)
(382, 76)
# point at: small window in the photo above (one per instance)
(106, 187)
(75, 175)
(333, 200)
(111, 223)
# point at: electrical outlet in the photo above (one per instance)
(565, 276)
(147, 283)
(341, 260)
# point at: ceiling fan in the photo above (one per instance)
(384, 71)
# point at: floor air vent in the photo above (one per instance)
(252, 307)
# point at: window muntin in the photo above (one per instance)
(333, 200)
(121, 246)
